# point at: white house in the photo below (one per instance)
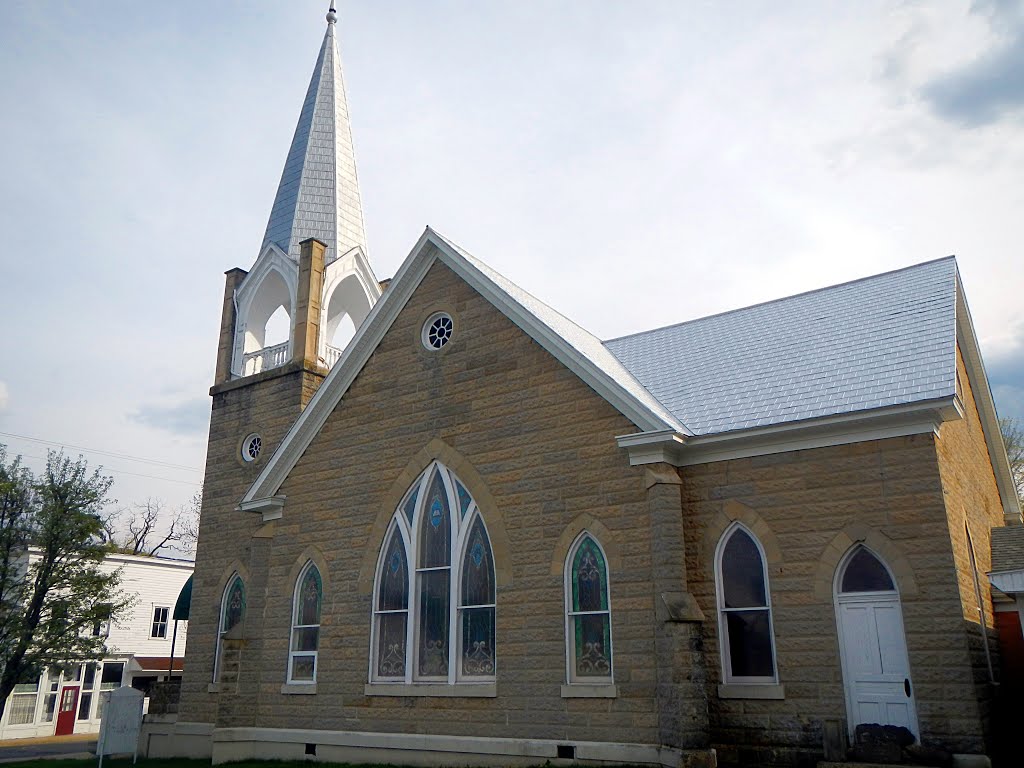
(138, 653)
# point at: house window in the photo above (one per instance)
(101, 625)
(232, 611)
(22, 704)
(434, 596)
(159, 628)
(88, 681)
(110, 679)
(588, 613)
(305, 639)
(744, 609)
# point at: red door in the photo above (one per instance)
(67, 711)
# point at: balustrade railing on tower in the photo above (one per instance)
(265, 359)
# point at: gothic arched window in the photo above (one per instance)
(744, 609)
(588, 613)
(305, 635)
(434, 599)
(232, 611)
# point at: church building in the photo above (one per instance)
(474, 533)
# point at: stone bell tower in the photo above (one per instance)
(312, 283)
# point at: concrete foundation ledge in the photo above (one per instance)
(163, 736)
(232, 744)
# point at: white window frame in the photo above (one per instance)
(723, 628)
(458, 541)
(220, 621)
(569, 614)
(155, 623)
(296, 607)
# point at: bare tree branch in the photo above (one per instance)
(1013, 438)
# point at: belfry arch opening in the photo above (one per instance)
(268, 326)
(347, 307)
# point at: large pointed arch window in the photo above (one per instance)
(305, 636)
(744, 609)
(434, 593)
(588, 613)
(232, 612)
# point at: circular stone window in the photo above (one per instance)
(437, 330)
(251, 447)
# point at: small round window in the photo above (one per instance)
(251, 447)
(437, 330)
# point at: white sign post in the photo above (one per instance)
(122, 720)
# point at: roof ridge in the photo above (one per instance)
(783, 298)
(480, 264)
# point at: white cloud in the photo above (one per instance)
(4, 397)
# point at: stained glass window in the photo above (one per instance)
(477, 604)
(864, 573)
(590, 624)
(392, 612)
(232, 612)
(745, 620)
(435, 527)
(305, 641)
(436, 568)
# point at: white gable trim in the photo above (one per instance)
(380, 320)
(986, 405)
(879, 424)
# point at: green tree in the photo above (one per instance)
(1013, 438)
(53, 591)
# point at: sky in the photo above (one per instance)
(632, 164)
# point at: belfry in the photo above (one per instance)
(312, 264)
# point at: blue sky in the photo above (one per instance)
(632, 164)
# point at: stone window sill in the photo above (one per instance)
(299, 689)
(752, 691)
(213, 688)
(459, 690)
(584, 691)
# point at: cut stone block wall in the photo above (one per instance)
(808, 508)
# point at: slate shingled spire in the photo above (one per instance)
(319, 194)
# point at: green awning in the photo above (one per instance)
(184, 602)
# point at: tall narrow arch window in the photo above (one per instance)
(232, 612)
(305, 636)
(588, 613)
(744, 609)
(434, 591)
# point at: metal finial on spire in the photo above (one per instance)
(332, 15)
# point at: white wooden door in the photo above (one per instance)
(875, 666)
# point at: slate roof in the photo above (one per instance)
(318, 195)
(880, 341)
(1008, 548)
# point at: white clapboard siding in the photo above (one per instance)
(154, 581)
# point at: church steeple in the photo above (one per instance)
(311, 273)
(318, 195)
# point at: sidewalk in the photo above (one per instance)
(74, 746)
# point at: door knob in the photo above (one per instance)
(906, 686)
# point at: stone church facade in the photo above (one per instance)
(476, 534)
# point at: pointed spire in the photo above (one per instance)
(319, 194)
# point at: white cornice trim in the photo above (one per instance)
(429, 248)
(271, 507)
(971, 351)
(898, 421)
(1008, 582)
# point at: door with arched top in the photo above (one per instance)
(872, 643)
